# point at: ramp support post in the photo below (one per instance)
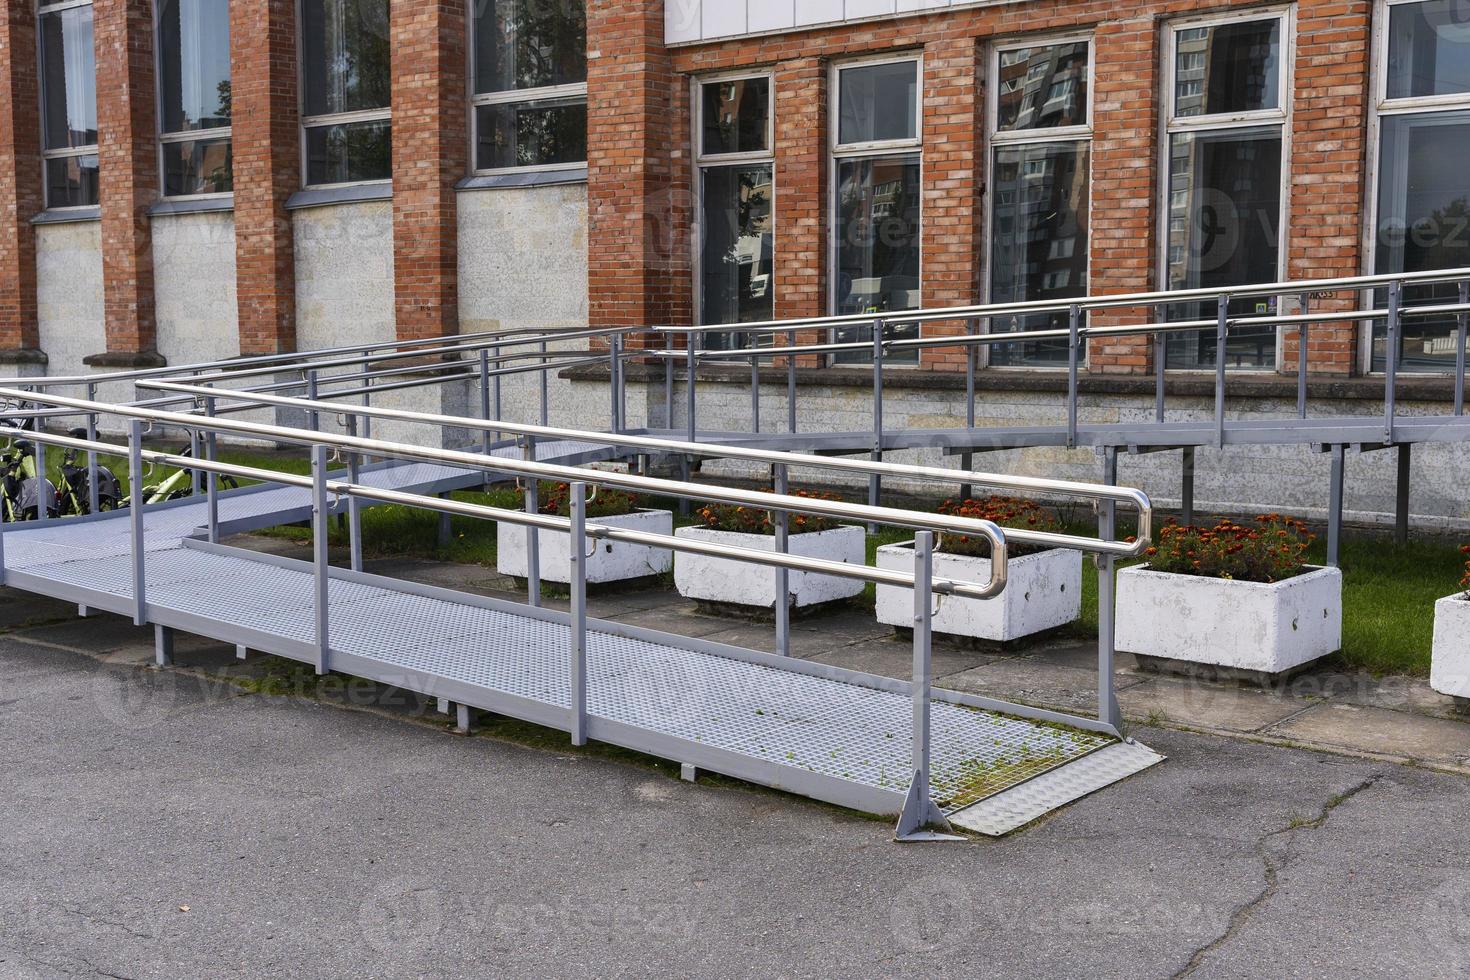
(1334, 505)
(783, 574)
(354, 505)
(1186, 488)
(921, 818)
(93, 503)
(1401, 496)
(533, 535)
(163, 646)
(1108, 710)
(211, 486)
(135, 518)
(875, 482)
(578, 551)
(319, 552)
(967, 460)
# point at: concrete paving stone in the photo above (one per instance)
(1182, 702)
(1369, 729)
(1033, 682)
(895, 658)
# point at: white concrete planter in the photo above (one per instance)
(613, 561)
(727, 580)
(1450, 671)
(1259, 627)
(1044, 591)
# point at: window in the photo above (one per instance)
(1422, 205)
(1224, 158)
(530, 84)
(347, 133)
(1039, 147)
(194, 96)
(68, 104)
(736, 188)
(876, 196)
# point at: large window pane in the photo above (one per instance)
(736, 251)
(521, 44)
(878, 102)
(1423, 223)
(349, 152)
(345, 60)
(1428, 49)
(736, 115)
(1227, 68)
(877, 241)
(194, 64)
(197, 167)
(525, 134)
(1043, 87)
(1038, 242)
(1224, 230)
(68, 79)
(71, 182)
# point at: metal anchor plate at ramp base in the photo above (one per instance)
(1008, 810)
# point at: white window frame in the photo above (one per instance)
(545, 93)
(324, 120)
(837, 153)
(995, 138)
(69, 152)
(183, 136)
(1170, 125)
(704, 160)
(1380, 105)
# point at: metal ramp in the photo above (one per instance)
(823, 732)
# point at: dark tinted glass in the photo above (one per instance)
(1227, 68)
(68, 79)
(350, 152)
(1428, 49)
(71, 182)
(345, 56)
(736, 115)
(197, 167)
(1038, 242)
(878, 203)
(1043, 87)
(194, 64)
(1224, 230)
(737, 250)
(526, 134)
(878, 102)
(523, 44)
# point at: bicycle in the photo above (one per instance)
(73, 496)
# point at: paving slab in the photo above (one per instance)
(1368, 729)
(1034, 682)
(891, 657)
(1185, 702)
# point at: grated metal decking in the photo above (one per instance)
(821, 731)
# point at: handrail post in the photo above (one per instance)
(875, 482)
(43, 485)
(669, 381)
(533, 535)
(1074, 356)
(1303, 335)
(755, 393)
(1108, 710)
(545, 386)
(783, 574)
(495, 392)
(196, 476)
(211, 484)
(578, 551)
(1391, 362)
(1161, 360)
(791, 381)
(485, 435)
(923, 651)
(135, 519)
(690, 407)
(967, 460)
(1222, 327)
(354, 505)
(93, 498)
(320, 568)
(615, 385)
(1462, 322)
(313, 417)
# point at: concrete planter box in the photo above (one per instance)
(1044, 591)
(731, 582)
(1247, 628)
(1450, 670)
(613, 561)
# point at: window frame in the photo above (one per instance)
(996, 138)
(1170, 125)
(70, 152)
(476, 100)
(184, 136)
(325, 120)
(1379, 106)
(703, 161)
(839, 153)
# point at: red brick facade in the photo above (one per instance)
(20, 178)
(267, 152)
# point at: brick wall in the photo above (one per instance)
(20, 177)
(127, 155)
(267, 153)
(429, 156)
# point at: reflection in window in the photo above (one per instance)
(195, 96)
(347, 79)
(736, 116)
(530, 83)
(1428, 49)
(68, 74)
(878, 202)
(1227, 68)
(1042, 87)
(736, 252)
(877, 103)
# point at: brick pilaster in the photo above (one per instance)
(127, 152)
(267, 170)
(429, 156)
(1328, 127)
(1124, 183)
(20, 181)
(638, 206)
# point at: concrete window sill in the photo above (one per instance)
(66, 216)
(528, 178)
(318, 197)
